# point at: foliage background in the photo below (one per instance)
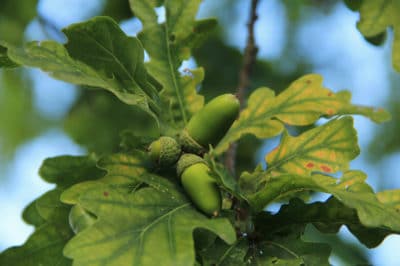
(41, 117)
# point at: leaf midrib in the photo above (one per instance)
(141, 236)
(274, 111)
(178, 93)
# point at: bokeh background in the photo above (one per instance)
(41, 117)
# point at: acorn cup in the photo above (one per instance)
(199, 184)
(164, 151)
(209, 125)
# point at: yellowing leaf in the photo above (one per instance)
(304, 102)
(256, 119)
(327, 148)
(376, 16)
(390, 198)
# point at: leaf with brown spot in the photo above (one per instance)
(328, 148)
(131, 226)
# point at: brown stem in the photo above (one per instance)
(249, 58)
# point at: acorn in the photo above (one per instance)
(210, 124)
(164, 151)
(79, 219)
(199, 184)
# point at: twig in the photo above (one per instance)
(249, 59)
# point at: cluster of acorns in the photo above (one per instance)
(207, 127)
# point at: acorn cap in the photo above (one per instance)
(165, 151)
(187, 160)
(189, 144)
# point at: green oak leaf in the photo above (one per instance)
(67, 170)
(223, 177)
(390, 198)
(131, 226)
(291, 251)
(45, 245)
(328, 217)
(125, 172)
(302, 103)
(285, 247)
(350, 189)
(5, 61)
(375, 17)
(97, 54)
(222, 254)
(49, 215)
(31, 215)
(50, 208)
(328, 148)
(137, 212)
(168, 44)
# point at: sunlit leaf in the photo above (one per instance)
(168, 44)
(376, 16)
(124, 172)
(98, 54)
(131, 226)
(328, 148)
(304, 102)
(390, 198)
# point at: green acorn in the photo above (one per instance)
(199, 184)
(79, 218)
(165, 151)
(210, 124)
